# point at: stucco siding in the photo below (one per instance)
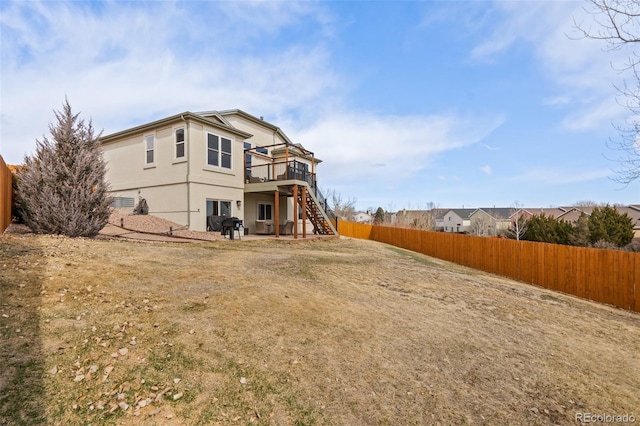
(167, 201)
(200, 193)
(262, 135)
(126, 168)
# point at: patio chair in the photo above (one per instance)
(261, 228)
(286, 228)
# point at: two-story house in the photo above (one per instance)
(190, 166)
(457, 220)
(491, 221)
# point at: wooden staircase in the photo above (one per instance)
(316, 214)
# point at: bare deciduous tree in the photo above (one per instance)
(618, 25)
(480, 226)
(62, 188)
(517, 228)
(344, 209)
(585, 203)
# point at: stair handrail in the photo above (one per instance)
(324, 219)
(323, 202)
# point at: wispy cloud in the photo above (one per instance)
(486, 169)
(554, 177)
(355, 145)
(489, 147)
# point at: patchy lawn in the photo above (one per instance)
(318, 332)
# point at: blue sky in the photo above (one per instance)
(458, 103)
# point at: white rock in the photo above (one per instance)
(123, 351)
(177, 396)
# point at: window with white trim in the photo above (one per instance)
(180, 143)
(218, 151)
(149, 151)
(265, 211)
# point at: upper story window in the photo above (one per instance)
(218, 151)
(149, 149)
(180, 144)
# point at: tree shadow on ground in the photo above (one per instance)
(21, 356)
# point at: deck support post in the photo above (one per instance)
(276, 207)
(304, 212)
(295, 212)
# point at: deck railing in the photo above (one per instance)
(280, 170)
(289, 170)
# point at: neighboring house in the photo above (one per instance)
(362, 217)
(190, 166)
(457, 220)
(490, 221)
(572, 214)
(528, 212)
(634, 212)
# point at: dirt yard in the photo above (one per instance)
(320, 332)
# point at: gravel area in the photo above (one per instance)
(155, 225)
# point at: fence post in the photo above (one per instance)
(6, 192)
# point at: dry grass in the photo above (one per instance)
(320, 332)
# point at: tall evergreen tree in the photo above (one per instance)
(607, 224)
(378, 217)
(62, 188)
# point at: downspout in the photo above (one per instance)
(188, 149)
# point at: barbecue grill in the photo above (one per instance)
(230, 225)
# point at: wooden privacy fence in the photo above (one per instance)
(5, 195)
(606, 276)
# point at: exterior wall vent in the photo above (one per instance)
(122, 202)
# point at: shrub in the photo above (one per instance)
(62, 188)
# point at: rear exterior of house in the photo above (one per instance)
(190, 166)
